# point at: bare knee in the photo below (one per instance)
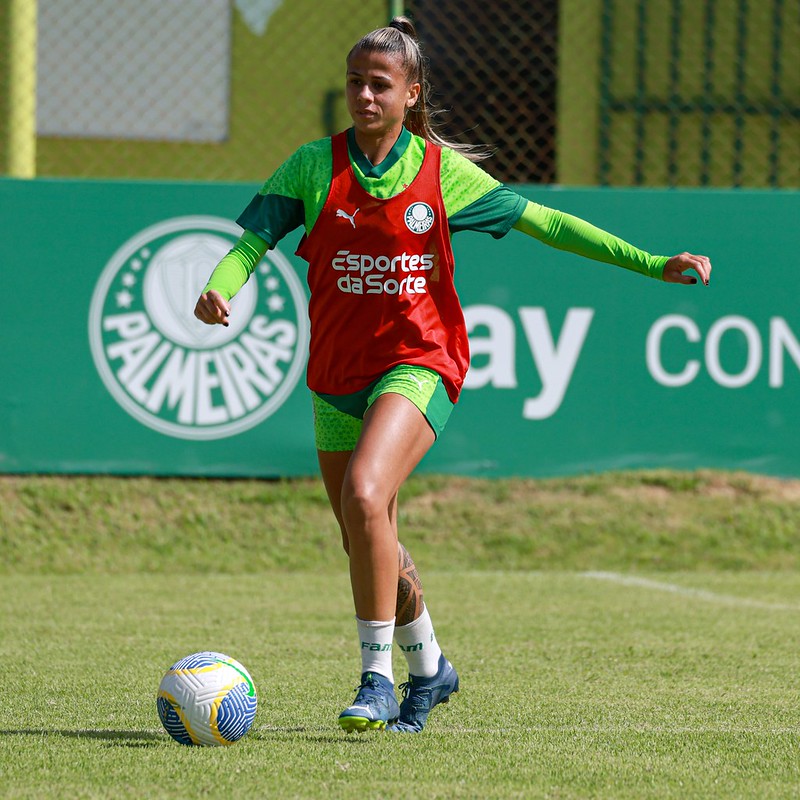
(362, 503)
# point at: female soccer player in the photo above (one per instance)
(389, 349)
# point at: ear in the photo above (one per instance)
(413, 95)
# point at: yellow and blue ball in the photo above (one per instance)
(207, 699)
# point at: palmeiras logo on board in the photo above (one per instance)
(169, 370)
(419, 217)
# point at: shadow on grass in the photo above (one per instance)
(110, 738)
(309, 734)
(150, 739)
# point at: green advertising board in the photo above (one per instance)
(577, 366)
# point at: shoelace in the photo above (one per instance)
(373, 688)
(370, 683)
(418, 699)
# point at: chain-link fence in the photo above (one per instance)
(203, 89)
(623, 92)
(494, 71)
(576, 92)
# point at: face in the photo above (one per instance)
(378, 93)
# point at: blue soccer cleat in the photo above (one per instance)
(375, 705)
(420, 695)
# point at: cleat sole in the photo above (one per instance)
(361, 724)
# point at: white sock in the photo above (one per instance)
(418, 643)
(376, 646)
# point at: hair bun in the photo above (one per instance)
(404, 25)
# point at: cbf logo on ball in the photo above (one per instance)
(419, 217)
(169, 370)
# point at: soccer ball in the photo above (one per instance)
(207, 699)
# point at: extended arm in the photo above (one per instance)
(575, 235)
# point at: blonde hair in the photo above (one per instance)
(400, 38)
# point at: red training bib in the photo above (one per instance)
(381, 280)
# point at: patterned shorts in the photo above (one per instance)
(338, 417)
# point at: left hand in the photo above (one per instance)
(677, 265)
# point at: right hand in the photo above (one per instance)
(212, 309)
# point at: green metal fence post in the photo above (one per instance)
(777, 104)
(396, 9)
(604, 132)
(709, 20)
(641, 91)
(675, 96)
(740, 102)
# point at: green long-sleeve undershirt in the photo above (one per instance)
(237, 266)
(551, 227)
(565, 232)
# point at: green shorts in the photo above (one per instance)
(338, 417)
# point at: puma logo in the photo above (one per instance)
(351, 217)
(418, 381)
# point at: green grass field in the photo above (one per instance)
(657, 661)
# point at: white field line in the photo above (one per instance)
(611, 730)
(264, 731)
(684, 591)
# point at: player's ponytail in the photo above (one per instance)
(400, 38)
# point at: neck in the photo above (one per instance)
(376, 147)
